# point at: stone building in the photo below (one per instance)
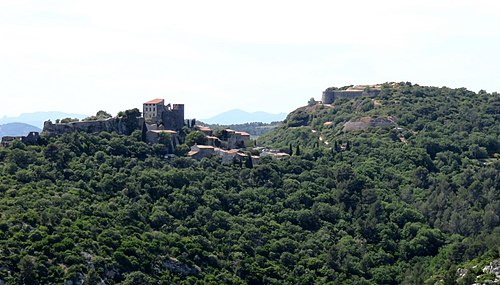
(151, 110)
(8, 140)
(231, 155)
(200, 151)
(171, 116)
(206, 130)
(213, 141)
(236, 139)
(153, 136)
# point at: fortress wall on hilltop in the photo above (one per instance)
(109, 125)
(329, 97)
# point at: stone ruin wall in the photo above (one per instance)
(173, 119)
(109, 125)
(330, 97)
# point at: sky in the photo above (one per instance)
(213, 56)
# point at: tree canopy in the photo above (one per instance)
(405, 204)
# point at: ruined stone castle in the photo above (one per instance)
(156, 116)
(330, 96)
(171, 116)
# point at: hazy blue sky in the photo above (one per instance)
(82, 56)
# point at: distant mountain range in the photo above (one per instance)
(237, 116)
(17, 129)
(37, 118)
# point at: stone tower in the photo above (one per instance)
(328, 97)
(173, 117)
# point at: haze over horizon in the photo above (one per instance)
(84, 56)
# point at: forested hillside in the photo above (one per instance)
(408, 202)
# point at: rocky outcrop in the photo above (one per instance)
(122, 126)
(490, 274)
(367, 122)
(492, 269)
(174, 265)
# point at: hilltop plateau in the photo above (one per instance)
(437, 119)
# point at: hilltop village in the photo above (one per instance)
(165, 123)
(162, 123)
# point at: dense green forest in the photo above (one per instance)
(408, 203)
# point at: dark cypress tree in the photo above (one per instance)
(248, 161)
(144, 131)
(297, 150)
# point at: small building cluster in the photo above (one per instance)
(236, 139)
(229, 144)
(161, 123)
(163, 120)
(233, 155)
(199, 152)
(170, 116)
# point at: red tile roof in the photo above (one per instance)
(164, 131)
(155, 101)
(245, 134)
(205, 146)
